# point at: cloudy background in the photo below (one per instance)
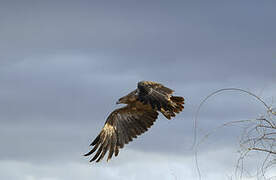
(63, 65)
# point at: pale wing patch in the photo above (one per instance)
(121, 127)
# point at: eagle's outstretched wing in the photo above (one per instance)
(121, 126)
(157, 95)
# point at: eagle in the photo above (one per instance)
(141, 110)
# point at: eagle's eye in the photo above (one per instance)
(119, 101)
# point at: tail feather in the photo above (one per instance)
(177, 99)
(177, 103)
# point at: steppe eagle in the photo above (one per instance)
(141, 111)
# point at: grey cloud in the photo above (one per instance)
(132, 164)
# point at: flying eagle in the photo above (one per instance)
(141, 111)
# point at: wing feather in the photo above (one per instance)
(159, 98)
(97, 153)
(121, 134)
(113, 142)
(121, 126)
(106, 144)
(126, 129)
(116, 151)
(140, 127)
(95, 141)
(155, 94)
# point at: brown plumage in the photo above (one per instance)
(141, 111)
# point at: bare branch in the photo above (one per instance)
(259, 149)
(258, 135)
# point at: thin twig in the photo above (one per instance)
(256, 136)
(264, 150)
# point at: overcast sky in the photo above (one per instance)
(64, 64)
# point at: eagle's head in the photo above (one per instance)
(128, 99)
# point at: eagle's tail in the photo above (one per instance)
(177, 103)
